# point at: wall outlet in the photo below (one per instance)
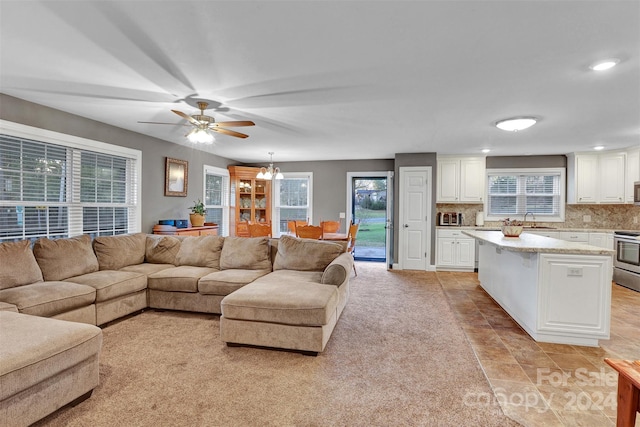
(586, 218)
(635, 219)
(342, 215)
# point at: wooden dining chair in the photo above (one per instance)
(309, 231)
(257, 229)
(330, 226)
(292, 224)
(351, 242)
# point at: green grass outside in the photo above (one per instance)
(370, 234)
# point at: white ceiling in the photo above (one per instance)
(337, 79)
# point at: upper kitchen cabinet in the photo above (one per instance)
(633, 172)
(461, 179)
(596, 178)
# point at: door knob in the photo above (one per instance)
(406, 225)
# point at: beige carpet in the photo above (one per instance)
(396, 358)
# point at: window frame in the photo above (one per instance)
(275, 207)
(223, 229)
(561, 172)
(75, 145)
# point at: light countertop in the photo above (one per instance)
(497, 228)
(534, 243)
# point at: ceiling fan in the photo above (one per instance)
(202, 124)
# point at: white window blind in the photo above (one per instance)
(292, 200)
(216, 197)
(513, 193)
(52, 190)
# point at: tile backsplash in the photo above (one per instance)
(612, 217)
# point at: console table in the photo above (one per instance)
(209, 230)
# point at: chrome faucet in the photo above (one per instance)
(524, 220)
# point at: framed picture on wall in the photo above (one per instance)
(176, 177)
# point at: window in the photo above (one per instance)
(216, 197)
(513, 193)
(292, 199)
(55, 185)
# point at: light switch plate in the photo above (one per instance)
(586, 218)
(342, 215)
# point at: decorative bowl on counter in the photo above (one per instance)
(512, 230)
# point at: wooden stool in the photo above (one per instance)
(628, 390)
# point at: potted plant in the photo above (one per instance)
(197, 214)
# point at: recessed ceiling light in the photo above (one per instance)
(598, 147)
(486, 150)
(604, 64)
(515, 124)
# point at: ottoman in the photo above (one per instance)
(44, 364)
(281, 312)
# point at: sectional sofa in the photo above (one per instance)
(284, 293)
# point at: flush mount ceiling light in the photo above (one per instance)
(605, 64)
(270, 172)
(486, 150)
(598, 147)
(515, 124)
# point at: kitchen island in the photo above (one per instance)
(557, 291)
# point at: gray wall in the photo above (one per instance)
(155, 205)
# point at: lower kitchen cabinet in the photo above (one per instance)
(454, 251)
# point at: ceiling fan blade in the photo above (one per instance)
(163, 123)
(229, 132)
(187, 117)
(233, 124)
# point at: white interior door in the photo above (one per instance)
(415, 200)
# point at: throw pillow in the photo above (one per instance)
(60, 259)
(115, 252)
(161, 250)
(248, 253)
(334, 274)
(202, 251)
(19, 266)
(305, 254)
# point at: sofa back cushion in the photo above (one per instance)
(202, 251)
(116, 252)
(305, 254)
(60, 259)
(161, 249)
(18, 265)
(247, 253)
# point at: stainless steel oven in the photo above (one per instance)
(626, 264)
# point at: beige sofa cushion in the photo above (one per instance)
(115, 252)
(19, 266)
(63, 258)
(111, 284)
(41, 349)
(290, 302)
(226, 281)
(249, 253)
(47, 299)
(202, 251)
(305, 254)
(161, 249)
(178, 279)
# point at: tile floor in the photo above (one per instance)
(541, 384)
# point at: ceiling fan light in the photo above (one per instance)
(516, 124)
(201, 136)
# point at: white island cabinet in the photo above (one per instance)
(557, 291)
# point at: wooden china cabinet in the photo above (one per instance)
(250, 199)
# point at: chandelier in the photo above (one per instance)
(270, 172)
